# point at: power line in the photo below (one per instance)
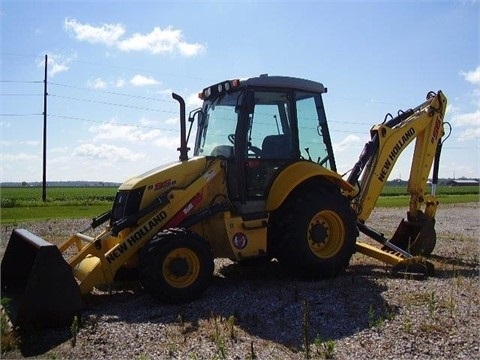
(111, 123)
(111, 104)
(22, 81)
(111, 92)
(20, 94)
(21, 114)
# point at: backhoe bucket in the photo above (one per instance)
(416, 237)
(38, 282)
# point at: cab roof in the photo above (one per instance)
(284, 82)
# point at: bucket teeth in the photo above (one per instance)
(414, 267)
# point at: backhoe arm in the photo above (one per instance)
(415, 235)
(424, 124)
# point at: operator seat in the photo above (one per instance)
(223, 150)
(276, 147)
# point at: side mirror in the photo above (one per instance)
(196, 113)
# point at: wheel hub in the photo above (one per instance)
(326, 234)
(178, 267)
(318, 234)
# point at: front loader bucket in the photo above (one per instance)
(38, 282)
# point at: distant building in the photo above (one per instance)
(463, 182)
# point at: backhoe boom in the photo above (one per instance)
(424, 124)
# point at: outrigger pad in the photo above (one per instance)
(39, 282)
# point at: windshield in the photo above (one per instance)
(281, 125)
(216, 127)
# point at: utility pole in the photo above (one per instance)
(44, 183)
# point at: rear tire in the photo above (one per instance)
(314, 233)
(176, 266)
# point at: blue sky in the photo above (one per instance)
(113, 66)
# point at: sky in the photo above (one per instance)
(112, 66)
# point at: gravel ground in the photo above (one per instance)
(256, 312)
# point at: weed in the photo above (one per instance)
(251, 355)
(219, 340)
(74, 327)
(306, 328)
(432, 304)
(231, 325)
(193, 356)
(9, 337)
(329, 349)
(373, 319)
(325, 349)
(143, 357)
(407, 326)
(431, 328)
(171, 348)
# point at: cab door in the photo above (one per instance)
(270, 140)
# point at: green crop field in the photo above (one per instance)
(20, 204)
(398, 195)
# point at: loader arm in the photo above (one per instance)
(96, 262)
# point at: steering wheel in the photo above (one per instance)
(255, 150)
(324, 160)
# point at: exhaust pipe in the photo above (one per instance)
(38, 282)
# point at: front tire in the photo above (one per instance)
(176, 266)
(315, 233)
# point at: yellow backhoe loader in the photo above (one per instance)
(262, 183)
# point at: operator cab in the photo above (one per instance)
(260, 125)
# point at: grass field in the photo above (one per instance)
(25, 203)
(20, 204)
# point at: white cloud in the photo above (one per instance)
(57, 63)
(470, 124)
(347, 143)
(21, 142)
(112, 131)
(193, 101)
(107, 152)
(472, 76)
(469, 134)
(120, 83)
(108, 34)
(169, 142)
(20, 157)
(190, 49)
(97, 83)
(140, 80)
(173, 120)
(158, 41)
(467, 119)
(148, 122)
